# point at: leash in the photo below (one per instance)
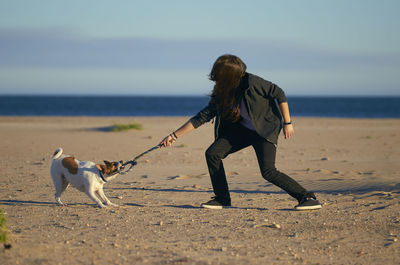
(133, 162)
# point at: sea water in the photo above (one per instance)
(305, 106)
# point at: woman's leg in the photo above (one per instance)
(214, 155)
(266, 153)
(234, 141)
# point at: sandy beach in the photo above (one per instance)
(353, 165)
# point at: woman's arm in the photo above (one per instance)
(288, 130)
(200, 118)
(187, 127)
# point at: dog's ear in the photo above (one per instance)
(102, 168)
(107, 162)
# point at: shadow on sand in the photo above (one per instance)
(351, 190)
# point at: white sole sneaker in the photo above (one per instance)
(213, 204)
(215, 207)
(310, 207)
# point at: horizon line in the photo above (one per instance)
(190, 95)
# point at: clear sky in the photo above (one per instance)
(311, 47)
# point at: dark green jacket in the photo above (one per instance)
(261, 98)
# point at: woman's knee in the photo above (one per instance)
(270, 173)
(212, 154)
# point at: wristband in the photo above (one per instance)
(176, 137)
(173, 136)
(287, 123)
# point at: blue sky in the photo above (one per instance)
(314, 47)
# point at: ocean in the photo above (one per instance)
(339, 107)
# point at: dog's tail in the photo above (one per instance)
(57, 153)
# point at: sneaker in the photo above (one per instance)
(215, 204)
(309, 202)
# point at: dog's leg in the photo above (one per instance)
(58, 200)
(64, 185)
(92, 195)
(60, 185)
(104, 198)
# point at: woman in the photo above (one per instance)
(248, 111)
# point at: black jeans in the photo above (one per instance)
(234, 138)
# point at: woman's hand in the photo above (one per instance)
(168, 141)
(184, 129)
(288, 130)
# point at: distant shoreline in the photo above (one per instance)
(45, 117)
(149, 106)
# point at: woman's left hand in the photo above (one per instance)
(288, 130)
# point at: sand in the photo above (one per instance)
(353, 165)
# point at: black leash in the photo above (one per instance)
(133, 162)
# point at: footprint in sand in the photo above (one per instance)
(183, 176)
(326, 172)
(366, 173)
(361, 173)
(180, 176)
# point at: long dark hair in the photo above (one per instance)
(226, 72)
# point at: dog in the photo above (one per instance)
(86, 176)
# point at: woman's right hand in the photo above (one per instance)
(171, 138)
(168, 141)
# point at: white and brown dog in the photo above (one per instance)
(86, 176)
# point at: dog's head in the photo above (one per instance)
(111, 168)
